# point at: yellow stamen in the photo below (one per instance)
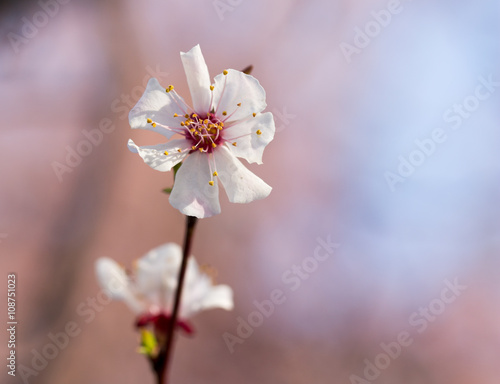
(149, 121)
(179, 150)
(166, 153)
(186, 115)
(215, 173)
(175, 115)
(211, 87)
(239, 104)
(195, 115)
(214, 145)
(259, 132)
(234, 144)
(211, 182)
(193, 148)
(183, 123)
(254, 114)
(225, 72)
(154, 125)
(224, 113)
(201, 149)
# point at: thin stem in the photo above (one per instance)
(167, 352)
(159, 367)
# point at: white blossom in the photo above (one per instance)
(149, 291)
(224, 123)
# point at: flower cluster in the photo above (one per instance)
(224, 123)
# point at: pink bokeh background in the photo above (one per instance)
(343, 122)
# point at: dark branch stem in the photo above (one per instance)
(163, 360)
(248, 69)
(159, 367)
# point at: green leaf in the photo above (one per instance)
(176, 168)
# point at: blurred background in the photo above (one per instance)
(387, 116)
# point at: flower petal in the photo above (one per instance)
(192, 195)
(234, 88)
(249, 145)
(159, 106)
(196, 286)
(198, 79)
(112, 279)
(154, 155)
(241, 185)
(219, 296)
(200, 294)
(157, 272)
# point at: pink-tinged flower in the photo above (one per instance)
(149, 291)
(225, 122)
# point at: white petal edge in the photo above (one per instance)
(157, 273)
(192, 195)
(219, 296)
(238, 87)
(159, 106)
(154, 155)
(198, 79)
(249, 145)
(196, 285)
(114, 281)
(241, 185)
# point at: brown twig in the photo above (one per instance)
(162, 361)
